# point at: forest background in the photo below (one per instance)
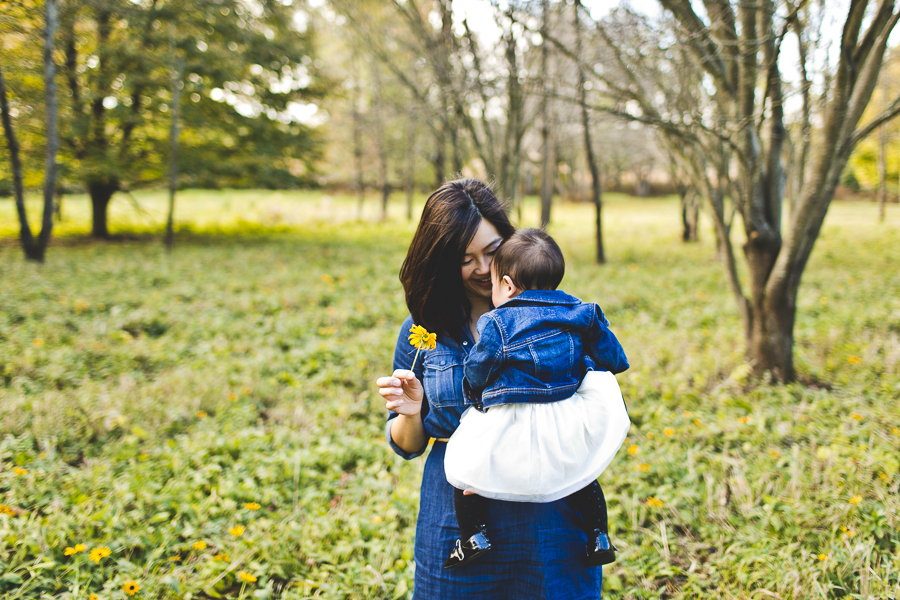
(197, 418)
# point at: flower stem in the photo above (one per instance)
(418, 349)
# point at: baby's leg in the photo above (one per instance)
(471, 513)
(590, 502)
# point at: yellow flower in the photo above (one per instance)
(232, 397)
(686, 413)
(649, 435)
(251, 506)
(856, 416)
(237, 530)
(223, 557)
(744, 419)
(131, 588)
(854, 360)
(70, 551)
(774, 453)
(697, 421)
(201, 545)
(93, 597)
(20, 471)
(883, 476)
(247, 577)
(643, 468)
(668, 431)
(327, 278)
(855, 499)
(632, 449)
(420, 338)
(823, 557)
(847, 532)
(98, 553)
(175, 558)
(37, 343)
(9, 510)
(201, 414)
(655, 502)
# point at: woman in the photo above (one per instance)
(538, 548)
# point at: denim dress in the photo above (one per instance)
(538, 549)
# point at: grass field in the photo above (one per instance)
(210, 416)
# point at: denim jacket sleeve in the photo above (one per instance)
(604, 349)
(403, 357)
(484, 359)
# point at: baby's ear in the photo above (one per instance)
(509, 287)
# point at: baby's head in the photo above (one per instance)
(528, 260)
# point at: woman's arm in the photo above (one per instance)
(403, 395)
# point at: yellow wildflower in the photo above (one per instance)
(686, 413)
(20, 471)
(37, 343)
(856, 416)
(697, 421)
(655, 502)
(774, 453)
(237, 530)
(70, 551)
(252, 506)
(98, 553)
(632, 449)
(823, 557)
(246, 577)
(201, 545)
(883, 476)
(420, 338)
(201, 414)
(223, 557)
(643, 467)
(744, 419)
(854, 360)
(232, 397)
(131, 588)
(855, 499)
(649, 435)
(668, 431)
(175, 558)
(848, 532)
(93, 597)
(327, 278)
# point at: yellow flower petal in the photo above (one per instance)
(131, 588)
(247, 577)
(201, 545)
(237, 530)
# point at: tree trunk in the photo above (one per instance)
(546, 181)
(173, 158)
(35, 249)
(771, 342)
(410, 163)
(882, 172)
(690, 214)
(379, 141)
(101, 192)
(597, 193)
(357, 138)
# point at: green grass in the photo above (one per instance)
(150, 396)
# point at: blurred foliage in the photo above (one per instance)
(248, 70)
(149, 398)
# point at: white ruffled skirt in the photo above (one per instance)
(539, 452)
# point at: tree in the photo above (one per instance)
(35, 249)
(736, 49)
(251, 59)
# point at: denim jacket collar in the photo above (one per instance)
(550, 297)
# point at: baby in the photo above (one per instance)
(547, 415)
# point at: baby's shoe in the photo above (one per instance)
(600, 550)
(465, 552)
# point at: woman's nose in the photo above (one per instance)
(484, 264)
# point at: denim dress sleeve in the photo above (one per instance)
(602, 346)
(441, 373)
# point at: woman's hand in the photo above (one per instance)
(402, 392)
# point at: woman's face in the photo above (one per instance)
(476, 264)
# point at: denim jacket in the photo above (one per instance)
(441, 373)
(537, 347)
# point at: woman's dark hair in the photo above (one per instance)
(432, 273)
(532, 259)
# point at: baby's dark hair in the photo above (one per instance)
(531, 259)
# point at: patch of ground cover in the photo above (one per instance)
(149, 398)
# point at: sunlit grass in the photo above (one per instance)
(150, 397)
